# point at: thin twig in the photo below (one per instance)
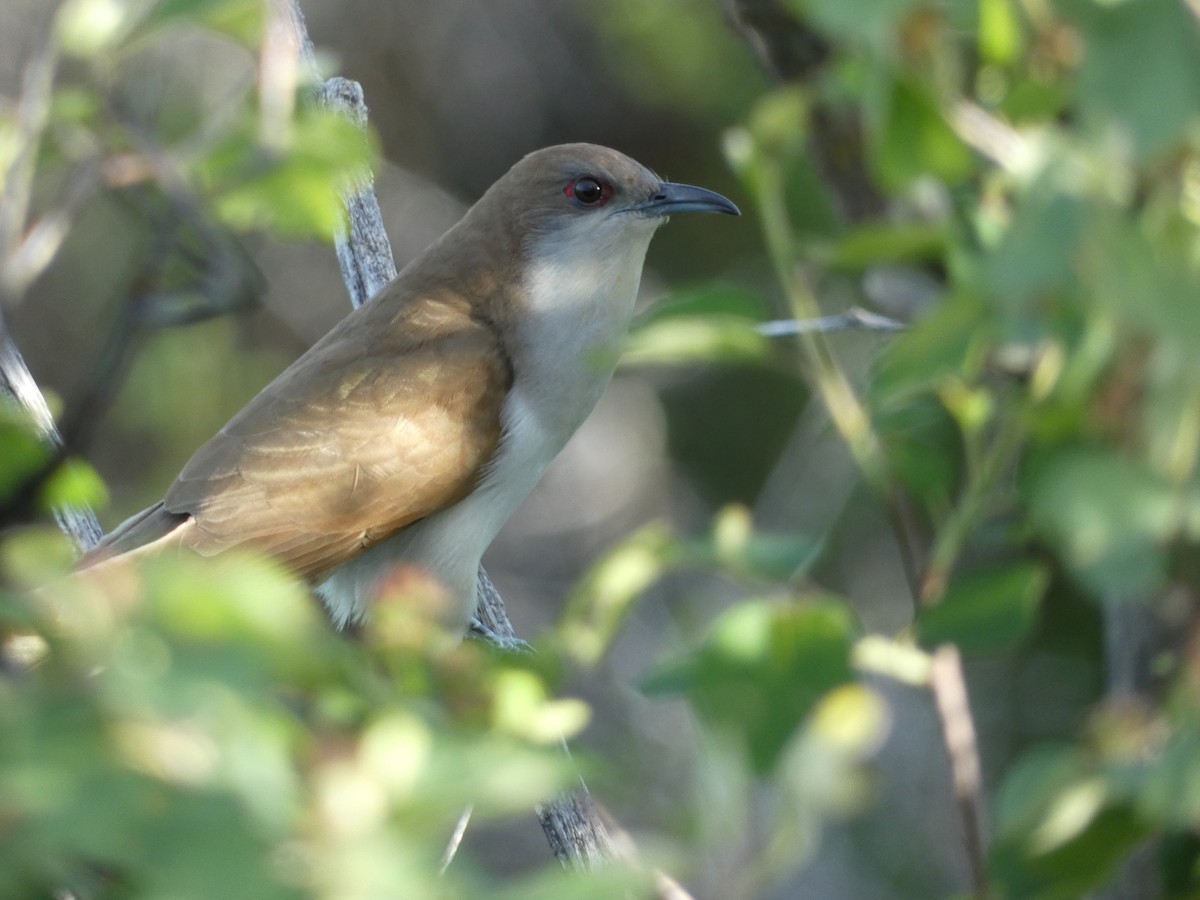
(854, 319)
(456, 837)
(949, 688)
(77, 521)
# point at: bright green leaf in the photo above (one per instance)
(75, 483)
(999, 31)
(695, 339)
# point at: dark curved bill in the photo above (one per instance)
(676, 198)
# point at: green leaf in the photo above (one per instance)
(294, 190)
(1141, 70)
(1109, 517)
(716, 300)
(924, 448)
(1059, 832)
(762, 668)
(683, 340)
(602, 600)
(986, 611)
(914, 139)
(242, 20)
(75, 483)
(22, 451)
(1000, 36)
(874, 22)
(1038, 252)
(952, 342)
(1074, 869)
(1169, 789)
(876, 243)
(736, 546)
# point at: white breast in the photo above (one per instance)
(578, 304)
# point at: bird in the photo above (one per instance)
(413, 430)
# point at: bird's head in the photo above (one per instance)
(591, 194)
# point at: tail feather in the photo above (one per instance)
(148, 528)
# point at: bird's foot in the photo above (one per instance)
(507, 643)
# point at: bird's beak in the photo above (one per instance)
(673, 198)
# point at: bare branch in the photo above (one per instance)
(949, 688)
(855, 319)
(16, 382)
(33, 111)
(78, 522)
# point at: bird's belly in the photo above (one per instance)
(449, 544)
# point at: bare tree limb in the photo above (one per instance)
(949, 688)
(16, 382)
(855, 319)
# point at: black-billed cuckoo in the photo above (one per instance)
(412, 431)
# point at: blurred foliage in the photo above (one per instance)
(1037, 428)
(194, 729)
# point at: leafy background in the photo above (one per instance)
(752, 558)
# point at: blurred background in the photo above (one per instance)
(458, 91)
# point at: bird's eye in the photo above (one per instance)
(589, 191)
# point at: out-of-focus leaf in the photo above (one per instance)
(1039, 250)
(88, 28)
(986, 611)
(873, 244)
(22, 451)
(999, 31)
(523, 708)
(872, 21)
(294, 191)
(924, 450)
(823, 773)
(708, 300)
(1169, 790)
(30, 557)
(761, 669)
(682, 340)
(1034, 100)
(240, 19)
(1059, 832)
(1141, 70)
(601, 601)
(75, 483)
(1146, 282)
(952, 342)
(678, 55)
(914, 139)
(1110, 517)
(1077, 867)
(739, 548)
(768, 155)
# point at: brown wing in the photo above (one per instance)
(390, 417)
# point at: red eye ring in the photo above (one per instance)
(587, 190)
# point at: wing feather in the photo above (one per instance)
(393, 415)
